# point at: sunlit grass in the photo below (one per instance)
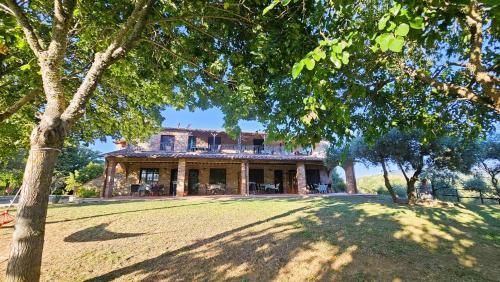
(269, 239)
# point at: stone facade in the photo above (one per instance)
(128, 173)
(124, 167)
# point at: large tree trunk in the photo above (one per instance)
(28, 238)
(388, 183)
(411, 192)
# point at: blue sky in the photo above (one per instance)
(211, 119)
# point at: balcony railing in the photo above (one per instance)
(228, 149)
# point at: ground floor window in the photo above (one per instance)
(149, 175)
(312, 176)
(217, 176)
(256, 176)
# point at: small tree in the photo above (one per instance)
(338, 183)
(476, 183)
(488, 160)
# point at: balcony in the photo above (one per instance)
(227, 149)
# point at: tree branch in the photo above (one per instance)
(193, 64)
(493, 102)
(6, 9)
(122, 42)
(63, 13)
(474, 21)
(36, 44)
(19, 104)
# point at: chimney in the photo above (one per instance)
(121, 144)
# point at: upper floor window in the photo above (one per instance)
(167, 142)
(214, 143)
(258, 146)
(191, 143)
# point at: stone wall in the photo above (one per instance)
(128, 173)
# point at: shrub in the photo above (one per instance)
(338, 183)
(476, 183)
(87, 193)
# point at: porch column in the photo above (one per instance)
(301, 178)
(244, 178)
(181, 177)
(350, 177)
(109, 182)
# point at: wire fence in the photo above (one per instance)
(459, 195)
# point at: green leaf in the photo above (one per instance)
(382, 22)
(310, 63)
(383, 41)
(345, 57)
(417, 23)
(25, 67)
(395, 9)
(396, 44)
(336, 62)
(285, 2)
(402, 30)
(337, 48)
(297, 68)
(318, 54)
(392, 25)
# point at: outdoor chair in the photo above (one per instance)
(134, 188)
(161, 190)
(322, 188)
(155, 190)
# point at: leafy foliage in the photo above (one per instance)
(338, 183)
(475, 183)
(404, 71)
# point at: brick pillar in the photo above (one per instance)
(301, 178)
(181, 177)
(244, 178)
(350, 177)
(110, 179)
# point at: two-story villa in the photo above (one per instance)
(183, 161)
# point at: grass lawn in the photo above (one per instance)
(351, 238)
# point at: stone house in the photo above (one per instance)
(184, 161)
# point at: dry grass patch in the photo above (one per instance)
(268, 239)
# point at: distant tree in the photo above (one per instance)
(73, 158)
(475, 183)
(338, 183)
(375, 154)
(488, 160)
(413, 154)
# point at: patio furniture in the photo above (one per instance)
(216, 188)
(322, 188)
(252, 187)
(161, 190)
(155, 190)
(134, 188)
(271, 187)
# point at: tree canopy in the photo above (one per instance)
(374, 65)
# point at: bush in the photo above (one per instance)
(87, 193)
(338, 183)
(475, 183)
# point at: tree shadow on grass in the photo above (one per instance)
(97, 233)
(334, 239)
(125, 212)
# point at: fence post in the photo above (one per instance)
(481, 196)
